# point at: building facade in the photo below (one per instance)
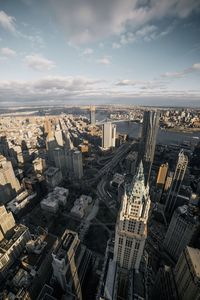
(148, 140)
(131, 227)
(180, 231)
(178, 176)
(109, 135)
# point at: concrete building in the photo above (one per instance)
(20, 201)
(9, 185)
(148, 140)
(168, 181)
(13, 239)
(187, 274)
(77, 164)
(70, 263)
(171, 202)
(109, 135)
(180, 231)
(53, 177)
(80, 205)
(131, 227)
(55, 199)
(39, 165)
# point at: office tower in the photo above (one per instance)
(168, 182)
(180, 231)
(13, 239)
(162, 174)
(130, 162)
(70, 263)
(187, 274)
(171, 202)
(148, 141)
(51, 145)
(59, 136)
(109, 135)
(9, 185)
(131, 227)
(60, 160)
(92, 115)
(77, 164)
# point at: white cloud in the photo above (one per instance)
(88, 51)
(116, 46)
(88, 21)
(60, 89)
(7, 22)
(38, 62)
(8, 52)
(105, 60)
(194, 68)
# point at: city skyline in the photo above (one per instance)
(99, 52)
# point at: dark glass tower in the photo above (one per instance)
(148, 140)
(179, 174)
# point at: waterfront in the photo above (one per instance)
(164, 136)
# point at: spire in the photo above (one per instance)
(140, 172)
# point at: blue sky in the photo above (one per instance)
(100, 51)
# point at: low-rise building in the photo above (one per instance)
(55, 199)
(53, 177)
(80, 205)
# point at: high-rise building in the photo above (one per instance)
(13, 239)
(9, 185)
(131, 227)
(187, 274)
(148, 140)
(109, 135)
(171, 201)
(77, 164)
(162, 174)
(70, 263)
(92, 115)
(180, 231)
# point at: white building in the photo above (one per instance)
(80, 205)
(55, 199)
(19, 202)
(131, 227)
(108, 135)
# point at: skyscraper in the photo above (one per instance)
(148, 140)
(77, 164)
(70, 263)
(109, 135)
(9, 185)
(180, 231)
(187, 274)
(131, 227)
(92, 115)
(178, 176)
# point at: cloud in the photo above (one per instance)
(88, 51)
(59, 89)
(39, 63)
(7, 22)
(105, 60)
(89, 21)
(116, 46)
(194, 68)
(8, 52)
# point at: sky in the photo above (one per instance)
(100, 52)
